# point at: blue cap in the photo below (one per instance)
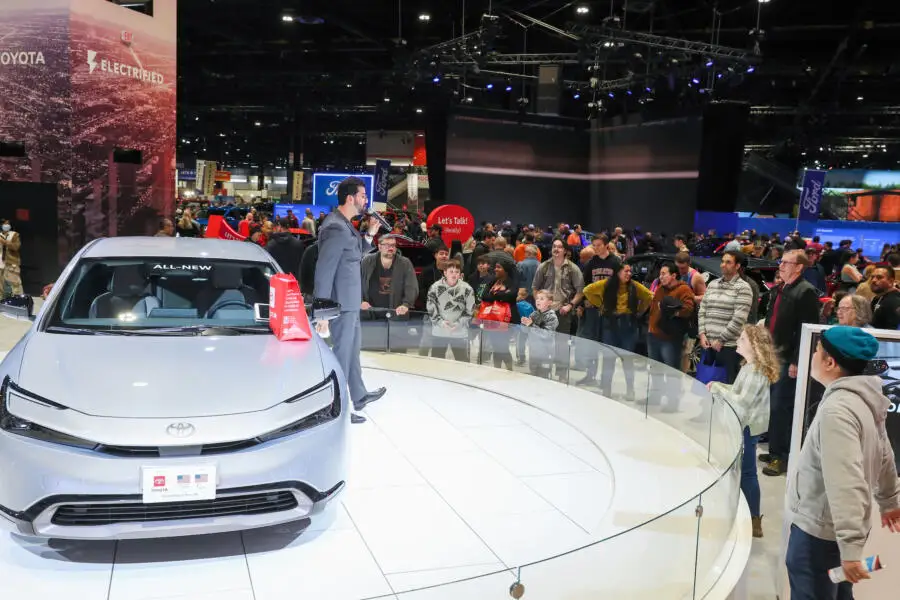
(851, 347)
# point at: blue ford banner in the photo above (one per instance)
(325, 187)
(382, 180)
(811, 195)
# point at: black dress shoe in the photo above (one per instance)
(369, 398)
(356, 419)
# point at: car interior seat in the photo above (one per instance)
(228, 293)
(128, 292)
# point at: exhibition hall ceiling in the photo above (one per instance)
(252, 74)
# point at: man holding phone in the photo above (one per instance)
(338, 278)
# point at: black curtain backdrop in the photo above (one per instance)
(725, 127)
(436, 150)
(32, 211)
(645, 176)
(523, 172)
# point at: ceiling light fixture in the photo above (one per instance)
(419, 111)
(489, 86)
(424, 17)
(751, 69)
(859, 98)
(509, 88)
(258, 124)
(582, 10)
(386, 99)
(287, 19)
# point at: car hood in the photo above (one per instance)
(165, 376)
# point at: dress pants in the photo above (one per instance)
(781, 416)
(347, 337)
(808, 560)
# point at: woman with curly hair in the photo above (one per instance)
(749, 396)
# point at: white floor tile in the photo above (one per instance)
(522, 539)
(191, 565)
(413, 529)
(54, 569)
(583, 497)
(416, 580)
(525, 452)
(334, 564)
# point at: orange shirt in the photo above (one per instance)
(574, 239)
(519, 253)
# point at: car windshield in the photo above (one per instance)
(161, 295)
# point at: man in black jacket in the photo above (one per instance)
(886, 303)
(794, 303)
(285, 248)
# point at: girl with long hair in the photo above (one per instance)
(620, 302)
(749, 396)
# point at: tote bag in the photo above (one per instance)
(708, 370)
(495, 315)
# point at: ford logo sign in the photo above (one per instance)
(180, 430)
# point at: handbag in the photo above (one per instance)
(708, 370)
(495, 315)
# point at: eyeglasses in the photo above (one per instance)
(844, 308)
(789, 262)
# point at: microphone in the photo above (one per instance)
(381, 220)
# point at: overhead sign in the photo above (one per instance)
(223, 175)
(297, 189)
(325, 187)
(106, 65)
(811, 196)
(382, 181)
(21, 57)
(187, 174)
(456, 222)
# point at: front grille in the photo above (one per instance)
(80, 515)
(153, 451)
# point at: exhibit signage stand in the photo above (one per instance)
(806, 400)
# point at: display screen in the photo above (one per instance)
(887, 366)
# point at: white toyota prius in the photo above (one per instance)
(150, 399)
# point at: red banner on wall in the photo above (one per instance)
(456, 222)
(218, 228)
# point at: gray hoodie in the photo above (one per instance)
(845, 459)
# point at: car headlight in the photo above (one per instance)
(19, 426)
(328, 413)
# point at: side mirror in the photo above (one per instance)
(321, 309)
(20, 308)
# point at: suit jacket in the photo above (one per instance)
(341, 248)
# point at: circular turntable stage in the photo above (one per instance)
(464, 480)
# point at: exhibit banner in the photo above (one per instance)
(218, 228)
(811, 195)
(382, 181)
(325, 187)
(297, 188)
(456, 222)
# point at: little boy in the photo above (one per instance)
(451, 304)
(541, 324)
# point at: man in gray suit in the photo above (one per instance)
(338, 278)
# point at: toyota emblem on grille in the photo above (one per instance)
(180, 430)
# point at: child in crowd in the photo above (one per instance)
(749, 396)
(451, 304)
(541, 324)
(481, 277)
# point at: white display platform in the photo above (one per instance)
(450, 481)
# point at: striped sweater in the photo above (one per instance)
(724, 310)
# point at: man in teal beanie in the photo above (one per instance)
(846, 459)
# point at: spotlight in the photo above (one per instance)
(287, 19)
(751, 69)
(709, 63)
(702, 90)
(582, 10)
(859, 98)
(490, 86)
(418, 111)
(628, 92)
(718, 76)
(436, 79)
(258, 124)
(509, 88)
(695, 81)
(611, 95)
(386, 99)
(424, 17)
(577, 96)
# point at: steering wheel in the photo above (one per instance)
(227, 304)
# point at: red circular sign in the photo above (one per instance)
(457, 222)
